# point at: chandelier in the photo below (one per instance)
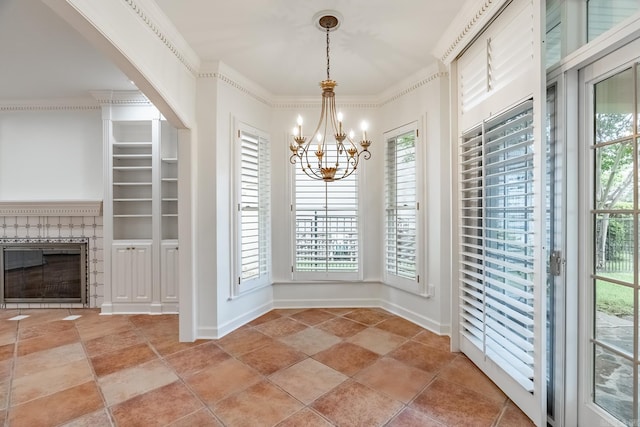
(328, 154)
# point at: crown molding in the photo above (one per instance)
(392, 95)
(153, 17)
(307, 102)
(472, 19)
(120, 97)
(51, 208)
(236, 83)
(53, 104)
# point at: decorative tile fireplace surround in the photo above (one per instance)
(59, 221)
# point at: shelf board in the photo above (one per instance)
(170, 159)
(132, 168)
(169, 199)
(133, 144)
(122, 184)
(133, 200)
(132, 215)
(169, 215)
(169, 179)
(131, 156)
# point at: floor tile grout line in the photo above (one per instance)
(105, 408)
(501, 412)
(12, 373)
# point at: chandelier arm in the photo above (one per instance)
(308, 168)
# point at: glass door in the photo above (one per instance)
(610, 280)
(555, 196)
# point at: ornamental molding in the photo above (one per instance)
(51, 208)
(465, 28)
(307, 105)
(236, 85)
(120, 97)
(79, 240)
(417, 85)
(8, 106)
(151, 15)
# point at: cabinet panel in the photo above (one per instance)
(131, 272)
(121, 273)
(169, 278)
(141, 272)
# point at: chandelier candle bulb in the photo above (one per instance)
(299, 125)
(364, 127)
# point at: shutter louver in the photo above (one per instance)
(326, 224)
(400, 199)
(254, 207)
(496, 241)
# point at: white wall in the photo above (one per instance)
(49, 155)
(220, 105)
(427, 104)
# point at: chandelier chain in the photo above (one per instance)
(328, 77)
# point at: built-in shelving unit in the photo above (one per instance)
(141, 210)
(132, 165)
(169, 182)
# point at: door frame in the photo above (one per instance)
(588, 413)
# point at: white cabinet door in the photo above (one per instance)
(169, 277)
(121, 272)
(131, 272)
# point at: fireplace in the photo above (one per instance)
(43, 272)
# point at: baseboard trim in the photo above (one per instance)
(326, 303)
(213, 333)
(139, 308)
(416, 318)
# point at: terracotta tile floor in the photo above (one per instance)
(313, 367)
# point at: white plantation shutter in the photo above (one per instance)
(496, 241)
(401, 209)
(253, 210)
(325, 227)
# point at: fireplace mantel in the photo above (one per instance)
(51, 208)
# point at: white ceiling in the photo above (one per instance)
(274, 43)
(42, 57)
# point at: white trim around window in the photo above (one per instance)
(403, 210)
(252, 209)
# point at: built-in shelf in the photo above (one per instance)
(169, 199)
(131, 168)
(131, 183)
(133, 144)
(132, 156)
(132, 216)
(133, 199)
(170, 215)
(169, 179)
(170, 160)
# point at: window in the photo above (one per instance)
(253, 209)
(325, 228)
(497, 241)
(401, 209)
(603, 15)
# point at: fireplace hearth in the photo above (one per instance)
(43, 271)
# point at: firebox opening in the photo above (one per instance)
(52, 272)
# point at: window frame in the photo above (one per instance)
(418, 285)
(264, 278)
